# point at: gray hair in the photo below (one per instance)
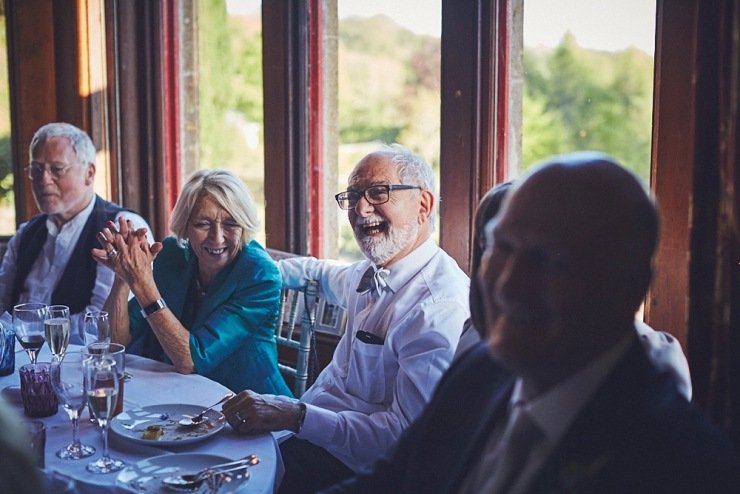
(81, 143)
(228, 191)
(412, 169)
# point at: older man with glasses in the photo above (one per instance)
(406, 303)
(48, 260)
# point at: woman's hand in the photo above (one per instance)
(125, 251)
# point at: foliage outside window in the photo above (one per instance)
(575, 98)
(389, 91)
(229, 94)
(7, 206)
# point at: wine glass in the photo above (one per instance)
(56, 328)
(96, 327)
(101, 383)
(28, 321)
(68, 379)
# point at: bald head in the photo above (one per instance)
(567, 265)
(602, 207)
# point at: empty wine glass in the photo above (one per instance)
(101, 383)
(28, 322)
(96, 327)
(68, 379)
(56, 328)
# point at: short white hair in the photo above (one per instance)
(81, 143)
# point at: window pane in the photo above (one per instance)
(388, 87)
(588, 79)
(7, 206)
(222, 91)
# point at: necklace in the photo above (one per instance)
(201, 291)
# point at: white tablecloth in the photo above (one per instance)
(151, 383)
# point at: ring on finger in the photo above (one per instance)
(112, 253)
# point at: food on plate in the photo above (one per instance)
(153, 432)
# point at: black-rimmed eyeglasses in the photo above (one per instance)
(375, 194)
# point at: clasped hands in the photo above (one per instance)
(125, 251)
(252, 413)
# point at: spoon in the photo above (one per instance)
(191, 481)
(193, 421)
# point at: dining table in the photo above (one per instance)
(148, 383)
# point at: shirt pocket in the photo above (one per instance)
(366, 374)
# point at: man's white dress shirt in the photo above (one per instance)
(370, 393)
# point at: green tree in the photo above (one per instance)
(583, 99)
(6, 163)
(216, 63)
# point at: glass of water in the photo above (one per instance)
(96, 327)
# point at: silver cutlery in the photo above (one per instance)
(191, 482)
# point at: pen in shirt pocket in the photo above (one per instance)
(369, 338)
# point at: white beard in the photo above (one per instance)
(382, 249)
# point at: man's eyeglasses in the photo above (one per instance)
(37, 169)
(375, 194)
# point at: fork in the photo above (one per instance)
(198, 418)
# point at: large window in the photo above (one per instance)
(221, 86)
(7, 206)
(587, 72)
(388, 88)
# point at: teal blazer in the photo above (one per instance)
(232, 338)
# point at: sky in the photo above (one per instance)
(598, 24)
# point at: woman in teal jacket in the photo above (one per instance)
(211, 299)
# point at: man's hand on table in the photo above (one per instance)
(252, 413)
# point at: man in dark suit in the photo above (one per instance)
(566, 266)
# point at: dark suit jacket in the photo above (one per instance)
(636, 435)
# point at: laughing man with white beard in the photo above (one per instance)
(406, 303)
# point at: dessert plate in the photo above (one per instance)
(157, 425)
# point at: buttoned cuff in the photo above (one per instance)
(319, 425)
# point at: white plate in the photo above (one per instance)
(132, 423)
(145, 476)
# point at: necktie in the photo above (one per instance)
(514, 450)
(373, 278)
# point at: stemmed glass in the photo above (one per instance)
(68, 379)
(28, 322)
(96, 327)
(56, 328)
(101, 381)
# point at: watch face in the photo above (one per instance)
(155, 306)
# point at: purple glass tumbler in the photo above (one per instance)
(37, 392)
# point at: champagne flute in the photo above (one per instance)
(96, 327)
(56, 328)
(68, 379)
(28, 321)
(101, 382)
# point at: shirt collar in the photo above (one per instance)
(555, 410)
(401, 271)
(78, 220)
